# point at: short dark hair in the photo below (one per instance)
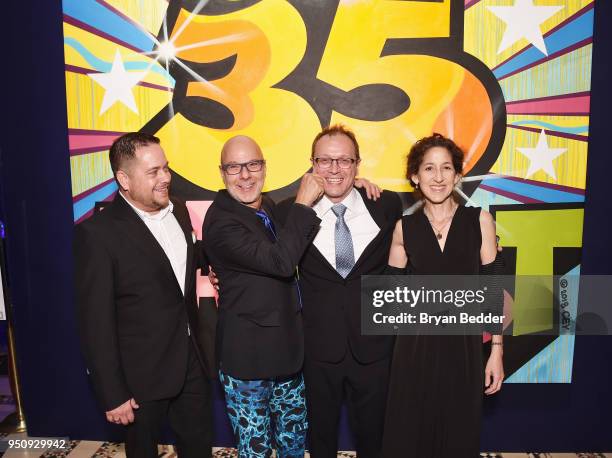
(336, 129)
(124, 148)
(418, 150)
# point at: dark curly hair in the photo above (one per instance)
(420, 148)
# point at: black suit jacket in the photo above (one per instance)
(259, 333)
(332, 314)
(132, 314)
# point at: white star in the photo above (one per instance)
(523, 21)
(541, 157)
(118, 85)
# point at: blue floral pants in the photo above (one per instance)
(262, 409)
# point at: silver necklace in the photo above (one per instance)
(438, 231)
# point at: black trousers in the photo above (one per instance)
(189, 415)
(364, 386)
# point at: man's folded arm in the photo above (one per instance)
(239, 249)
(96, 314)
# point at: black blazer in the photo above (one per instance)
(131, 312)
(259, 333)
(332, 314)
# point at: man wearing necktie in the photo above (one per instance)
(259, 333)
(354, 239)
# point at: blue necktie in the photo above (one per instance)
(345, 256)
(270, 226)
(267, 222)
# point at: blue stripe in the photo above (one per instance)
(547, 195)
(88, 202)
(105, 67)
(573, 32)
(555, 127)
(101, 18)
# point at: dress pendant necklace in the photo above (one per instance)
(438, 231)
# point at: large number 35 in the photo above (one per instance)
(278, 71)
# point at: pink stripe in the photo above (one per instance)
(552, 97)
(510, 195)
(90, 142)
(567, 105)
(109, 133)
(469, 3)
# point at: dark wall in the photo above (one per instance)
(37, 202)
(37, 206)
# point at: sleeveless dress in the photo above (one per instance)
(437, 382)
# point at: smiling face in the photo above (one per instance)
(246, 186)
(436, 175)
(338, 181)
(145, 179)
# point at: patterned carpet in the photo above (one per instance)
(86, 449)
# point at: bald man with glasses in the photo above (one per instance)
(259, 334)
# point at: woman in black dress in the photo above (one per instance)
(437, 382)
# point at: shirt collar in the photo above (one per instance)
(160, 215)
(350, 201)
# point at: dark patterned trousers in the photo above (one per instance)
(262, 410)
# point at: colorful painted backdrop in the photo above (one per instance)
(509, 80)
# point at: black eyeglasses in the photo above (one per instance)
(251, 166)
(326, 162)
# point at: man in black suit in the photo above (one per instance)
(354, 240)
(135, 265)
(259, 331)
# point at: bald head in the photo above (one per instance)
(239, 146)
(243, 170)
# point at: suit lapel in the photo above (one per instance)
(141, 236)
(248, 216)
(185, 223)
(323, 260)
(377, 212)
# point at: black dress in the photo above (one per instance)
(437, 382)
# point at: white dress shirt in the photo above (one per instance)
(358, 219)
(168, 233)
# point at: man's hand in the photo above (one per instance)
(372, 190)
(212, 278)
(124, 414)
(311, 188)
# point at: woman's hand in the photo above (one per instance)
(494, 371)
